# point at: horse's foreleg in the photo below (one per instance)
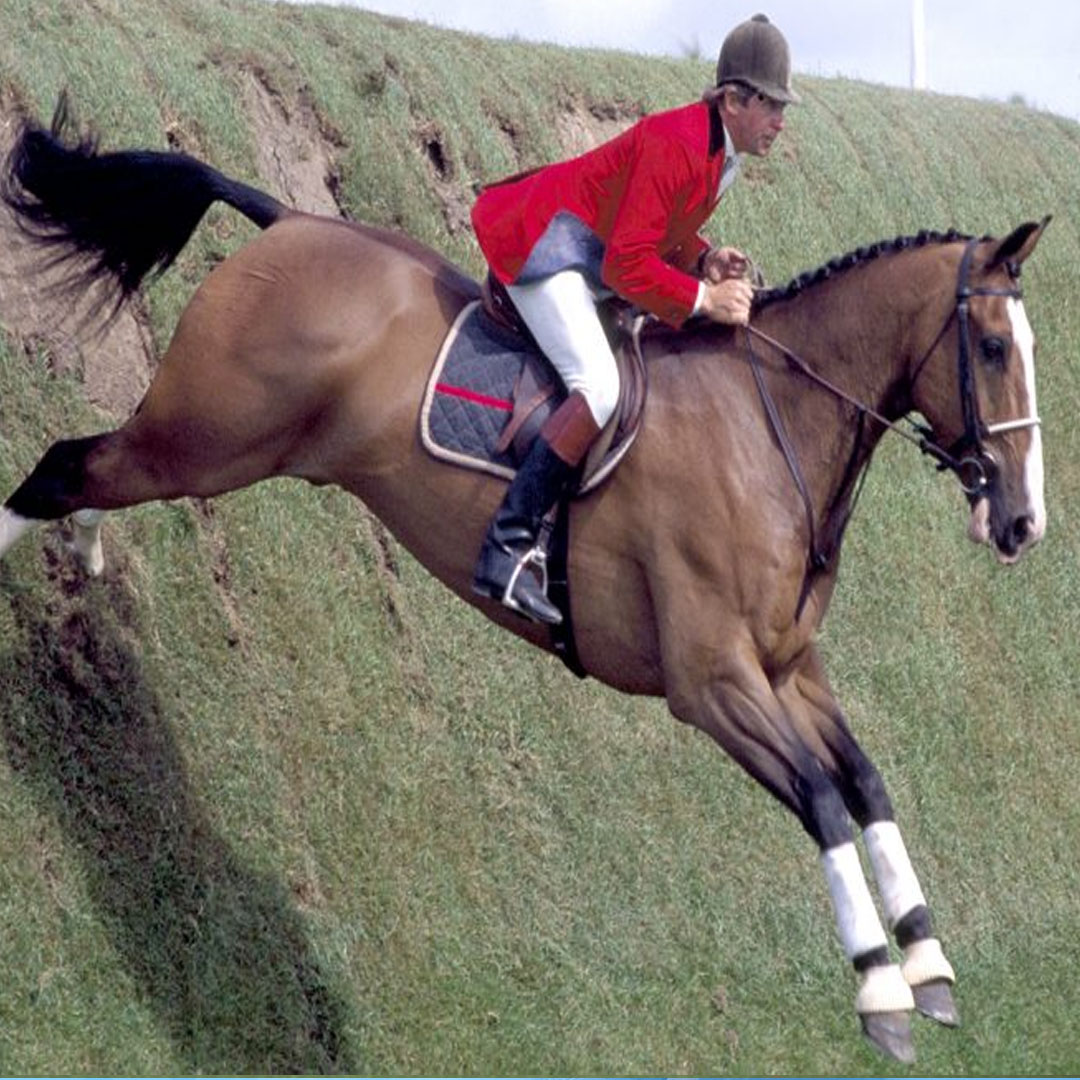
(924, 965)
(925, 968)
(755, 727)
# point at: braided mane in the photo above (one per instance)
(836, 265)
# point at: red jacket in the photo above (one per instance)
(628, 213)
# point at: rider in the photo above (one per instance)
(623, 218)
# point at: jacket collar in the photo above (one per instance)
(718, 137)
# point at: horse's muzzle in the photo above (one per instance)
(1010, 537)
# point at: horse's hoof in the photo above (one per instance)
(891, 1033)
(935, 1000)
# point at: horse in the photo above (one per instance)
(699, 571)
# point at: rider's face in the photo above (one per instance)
(753, 126)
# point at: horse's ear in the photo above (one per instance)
(1019, 244)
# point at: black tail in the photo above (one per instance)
(116, 217)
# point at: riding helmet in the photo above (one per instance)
(756, 53)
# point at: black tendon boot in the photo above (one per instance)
(505, 569)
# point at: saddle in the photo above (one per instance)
(491, 389)
(488, 395)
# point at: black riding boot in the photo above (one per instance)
(505, 569)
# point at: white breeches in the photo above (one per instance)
(561, 313)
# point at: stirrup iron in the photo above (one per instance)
(535, 556)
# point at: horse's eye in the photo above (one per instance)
(994, 351)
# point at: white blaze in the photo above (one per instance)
(1033, 467)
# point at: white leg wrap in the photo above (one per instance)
(11, 528)
(87, 539)
(925, 962)
(895, 877)
(884, 989)
(856, 918)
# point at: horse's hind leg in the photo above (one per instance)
(52, 491)
(12, 527)
(184, 440)
(86, 539)
(924, 965)
(84, 477)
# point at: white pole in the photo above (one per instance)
(918, 45)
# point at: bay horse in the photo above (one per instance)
(699, 571)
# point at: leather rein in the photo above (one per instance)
(968, 458)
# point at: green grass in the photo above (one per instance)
(271, 800)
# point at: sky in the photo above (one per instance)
(994, 49)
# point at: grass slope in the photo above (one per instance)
(271, 801)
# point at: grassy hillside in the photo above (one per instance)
(270, 800)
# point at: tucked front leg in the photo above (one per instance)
(744, 715)
(885, 999)
(924, 966)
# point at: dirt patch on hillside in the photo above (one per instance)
(582, 128)
(456, 199)
(579, 128)
(295, 148)
(296, 157)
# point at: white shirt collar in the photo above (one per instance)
(732, 164)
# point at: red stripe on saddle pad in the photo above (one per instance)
(471, 395)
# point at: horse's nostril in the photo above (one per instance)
(1022, 529)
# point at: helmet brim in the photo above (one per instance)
(784, 94)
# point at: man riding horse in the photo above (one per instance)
(624, 219)
(305, 353)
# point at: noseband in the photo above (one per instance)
(968, 457)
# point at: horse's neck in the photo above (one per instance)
(860, 343)
(859, 340)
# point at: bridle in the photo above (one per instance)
(976, 467)
(968, 458)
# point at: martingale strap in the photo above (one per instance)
(818, 559)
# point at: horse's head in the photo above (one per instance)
(976, 387)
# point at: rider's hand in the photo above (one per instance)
(728, 301)
(720, 264)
